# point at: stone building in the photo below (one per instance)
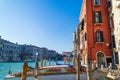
(67, 54)
(13, 52)
(9, 51)
(114, 19)
(52, 54)
(29, 52)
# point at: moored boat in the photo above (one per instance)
(58, 69)
(45, 70)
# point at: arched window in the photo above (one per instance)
(82, 25)
(99, 36)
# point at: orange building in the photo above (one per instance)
(94, 33)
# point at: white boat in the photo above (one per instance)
(17, 78)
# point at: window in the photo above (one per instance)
(97, 17)
(99, 36)
(113, 42)
(116, 57)
(119, 46)
(83, 39)
(109, 4)
(82, 25)
(96, 2)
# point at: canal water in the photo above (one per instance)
(17, 67)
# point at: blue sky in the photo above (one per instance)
(44, 23)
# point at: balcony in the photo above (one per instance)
(110, 12)
(82, 46)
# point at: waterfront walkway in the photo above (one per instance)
(69, 77)
(97, 75)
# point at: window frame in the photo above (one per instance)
(99, 36)
(97, 2)
(97, 17)
(82, 24)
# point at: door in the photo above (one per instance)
(100, 59)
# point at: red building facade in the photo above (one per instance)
(94, 33)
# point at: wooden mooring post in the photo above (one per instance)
(24, 71)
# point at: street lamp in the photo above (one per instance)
(36, 66)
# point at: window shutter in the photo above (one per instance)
(97, 36)
(94, 17)
(101, 36)
(100, 17)
(113, 42)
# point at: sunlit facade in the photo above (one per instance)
(9, 51)
(114, 19)
(93, 33)
(13, 52)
